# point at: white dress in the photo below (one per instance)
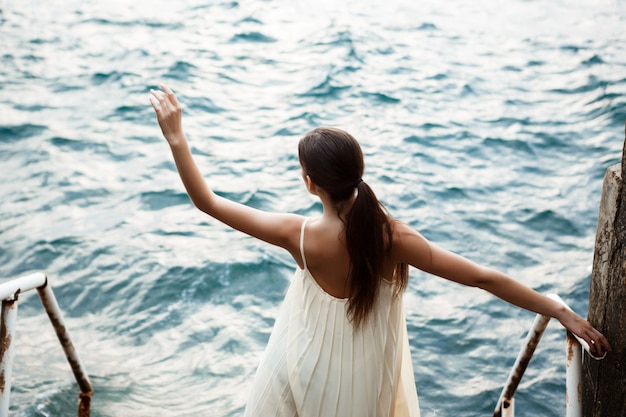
(317, 364)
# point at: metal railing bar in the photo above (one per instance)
(9, 293)
(575, 345)
(7, 352)
(573, 373)
(56, 318)
(11, 289)
(521, 363)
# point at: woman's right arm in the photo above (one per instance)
(412, 248)
(280, 229)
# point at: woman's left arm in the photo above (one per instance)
(280, 229)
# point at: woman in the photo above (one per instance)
(339, 346)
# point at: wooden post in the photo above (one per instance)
(604, 381)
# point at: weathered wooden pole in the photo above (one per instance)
(604, 382)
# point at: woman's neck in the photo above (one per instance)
(332, 210)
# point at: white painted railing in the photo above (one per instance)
(9, 293)
(573, 368)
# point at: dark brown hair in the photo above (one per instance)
(333, 159)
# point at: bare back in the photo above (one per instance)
(327, 257)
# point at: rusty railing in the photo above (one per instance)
(573, 368)
(9, 293)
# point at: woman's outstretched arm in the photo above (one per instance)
(280, 229)
(412, 248)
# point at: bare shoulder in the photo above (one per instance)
(402, 233)
(409, 246)
(291, 225)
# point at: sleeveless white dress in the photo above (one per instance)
(317, 364)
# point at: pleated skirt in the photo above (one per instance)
(317, 363)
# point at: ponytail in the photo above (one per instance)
(334, 161)
(369, 234)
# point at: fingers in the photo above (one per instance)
(164, 102)
(595, 349)
(160, 102)
(155, 104)
(154, 99)
(166, 89)
(590, 339)
(170, 94)
(157, 95)
(168, 112)
(588, 336)
(598, 344)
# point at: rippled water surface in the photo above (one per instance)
(488, 127)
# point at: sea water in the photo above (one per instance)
(487, 126)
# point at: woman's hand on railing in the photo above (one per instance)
(598, 344)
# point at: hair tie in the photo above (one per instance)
(357, 182)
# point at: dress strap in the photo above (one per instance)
(302, 241)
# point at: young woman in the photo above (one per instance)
(339, 346)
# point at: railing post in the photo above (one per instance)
(508, 408)
(54, 313)
(573, 368)
(7, 351)
(521, 363)
(9, 292)
(573, 376)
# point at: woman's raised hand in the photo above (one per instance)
(169, 114)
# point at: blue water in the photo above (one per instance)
(486, 127)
